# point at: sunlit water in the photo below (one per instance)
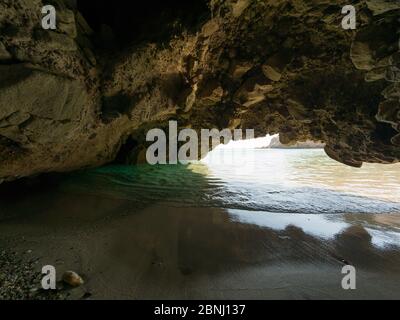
(271, 180)
(253, 223)
(267, 188)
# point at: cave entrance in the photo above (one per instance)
(131, 22)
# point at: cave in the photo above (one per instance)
(314, 193)
(133, 22)
(205, 64)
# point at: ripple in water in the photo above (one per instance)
(285, 181)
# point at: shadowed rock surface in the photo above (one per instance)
(85, 94)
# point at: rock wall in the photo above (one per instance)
(84, 95)
(276, 144)
(50, 94)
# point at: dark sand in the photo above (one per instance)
(165, 252)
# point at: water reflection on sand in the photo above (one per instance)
(178, 232)
(166, 252)
(328, 226)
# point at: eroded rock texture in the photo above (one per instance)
(85, 93)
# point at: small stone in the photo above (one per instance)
(72, 278)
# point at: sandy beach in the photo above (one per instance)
(167, 252)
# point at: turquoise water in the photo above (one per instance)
(251, 223)
(271, 180)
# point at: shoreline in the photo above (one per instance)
(163, 252)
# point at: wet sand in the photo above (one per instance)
(167, 252)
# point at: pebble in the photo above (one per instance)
(73, 279)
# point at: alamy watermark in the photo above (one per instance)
(188, 145)
(49, 279)
(49, 20)
(349, 280)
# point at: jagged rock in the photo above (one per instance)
(15, 119)
(66, 23)
(55, 97)
(18, 34)
(392, 74)
(275, 143)
(296, 110)
(389, 111)
(252, 93)
(69, 29)
(396, 140)
(13, 133)
(275, 65)
(392, 91)
(381, 6)
(282, 67)
(66, 16)
(239, 7)
(376, 74)
(210, 28)
(239, 69)
(362, 56)
(271, 73)
(55, 41)
(340, 157)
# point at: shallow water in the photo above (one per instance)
(264, 224)
(283, 181)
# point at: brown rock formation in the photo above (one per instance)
(276, 144)
(85, 93)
